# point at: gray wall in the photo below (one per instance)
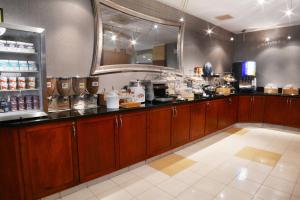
(278, 62)
(69, 31)
(69, 35)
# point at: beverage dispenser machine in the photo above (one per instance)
(245, 74)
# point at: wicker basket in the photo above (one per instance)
(290, 91)
(271, 90)
(223, 91)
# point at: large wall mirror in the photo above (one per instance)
(126, 40)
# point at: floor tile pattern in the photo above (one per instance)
(263, 163)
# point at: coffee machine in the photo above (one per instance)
(160, 88)
(245, 75)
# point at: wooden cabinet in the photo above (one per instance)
(132, 138)
(181, 125)
(11, 183)
(251, 109)
(283, 111)
(197, 124)
(293, 117)
(276, 110)
(97, 145)
(211, 122)
(48, 158)
(227, 112)
(159, 134)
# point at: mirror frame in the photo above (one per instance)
(98, 69)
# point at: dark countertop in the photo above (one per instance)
(75, 114)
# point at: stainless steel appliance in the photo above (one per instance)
(22, 72)
(160, 88)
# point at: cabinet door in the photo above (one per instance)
(223, 116)
(132, 138)
(211, 122)
(48, 158)
(10, 168)
(197, 126)
(258, 108)
(159, 135)
(294, 113)
(244, 108)
(233, 110)
(276, 110)
(96, 138)
(181, 125)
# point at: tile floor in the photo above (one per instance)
(240, 163)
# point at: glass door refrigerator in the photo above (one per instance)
(22, 72)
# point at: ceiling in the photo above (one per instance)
(247, 14)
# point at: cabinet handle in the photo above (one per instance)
(121, 121)
(230, 100)
(117, 122)
(175, 111)
(74, 129)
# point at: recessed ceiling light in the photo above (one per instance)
(267, 39)
(133, 42)
(155, 26)
(113, 38)
(289, 37)
(261, 2)
(181, 19)
(289, 12)
(209, 31)
(232, 39)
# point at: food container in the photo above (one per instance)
(3, 83)
(51, 86)
(92, 85)
(137, 91)
(14, 104)
(271, 89)
(79, 85)
(64, 86)
(13, 65)
(11, 45)
(223, 91)
(28, 102)
(21, 83)
(12, 83)
(290, 90)
(35, 102)
(112, 100)
(21, 103)
(3, 65)
(31, 82)
(32, 66)
(4, 105)
(23, 65)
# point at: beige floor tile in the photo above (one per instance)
(222, 176)
(153, 194)
(115, 193)
(172, 186)
(193, 193)
(246, 185)
(252, 175)
(188, 177)
(156, 178)
(279, 184)
(144, 171)
(209, 186)
(230, 193)
(80, 195)
(102, 187)
(259, 167)
(296, 192)
(172, 164)
(136, 186)
(267, 193)
(123, 178)
(259, 155)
